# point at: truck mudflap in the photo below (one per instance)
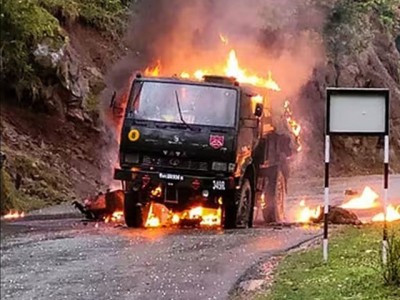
(180, 180)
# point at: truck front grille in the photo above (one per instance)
(177, 163)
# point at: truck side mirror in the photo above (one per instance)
(258, 110)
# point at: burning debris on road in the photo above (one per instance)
(350, 211)
(13, 214)
(108, 208)
(368, 199)
(102, 207)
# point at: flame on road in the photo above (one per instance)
(392, 214)
(152, 219)
(306, 214)
(13, 214)
(368, 199)
(208, 216)
(117, 216)
(175, 219)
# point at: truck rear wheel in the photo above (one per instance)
(239, 213)
(275, 194)
(133, 210)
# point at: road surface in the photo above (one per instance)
(66, 259)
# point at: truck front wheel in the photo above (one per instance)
(133, 210)
(275, 194)
(238, 213)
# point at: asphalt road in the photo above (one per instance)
(66, 259)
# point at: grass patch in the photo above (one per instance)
(11, 199)
(92, 103)
(8, 197)
(353, 271)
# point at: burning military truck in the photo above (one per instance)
(210, 143)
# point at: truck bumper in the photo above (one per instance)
(178, 180)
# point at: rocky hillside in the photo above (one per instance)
(54, 57)
(56, 54)
(360, 39)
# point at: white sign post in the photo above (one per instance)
(352, 111)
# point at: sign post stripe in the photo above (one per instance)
(326, 198)
(385, 198)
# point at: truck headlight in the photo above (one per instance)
(219, 166)
(131, 158)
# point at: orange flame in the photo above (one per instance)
(175, 219)
(115, 217)
(152, 219)
(13, 214)
(184, 75)
(307, 213)
(156, 192)
(231, 69)
(153, 71)
(209, 216)
(368, 199)
(392, 214)
(293, 125)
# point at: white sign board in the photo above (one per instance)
(357, 111)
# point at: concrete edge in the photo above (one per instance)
(235, 292)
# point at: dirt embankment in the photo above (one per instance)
(376, 66)
(56, 151)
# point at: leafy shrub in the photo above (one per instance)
(391, 270)
(64, 10)
(349, 26)
(8, 194)
(26, 23)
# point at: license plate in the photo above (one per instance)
(171, 176)
(219, 185)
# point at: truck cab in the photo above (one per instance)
(203, 143)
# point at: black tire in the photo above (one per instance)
(275, 194)
(239, 213)
(133, 210)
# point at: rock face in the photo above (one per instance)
(68, 83)
(377, 65)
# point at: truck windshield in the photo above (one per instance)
(184, 103)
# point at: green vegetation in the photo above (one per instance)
(353, 272)
(25, 24)
(41, 184)
(350, 23)
(391, 270)
(11, 199)
(105, 15)
(8, 198)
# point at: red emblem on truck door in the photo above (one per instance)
(217, 141)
